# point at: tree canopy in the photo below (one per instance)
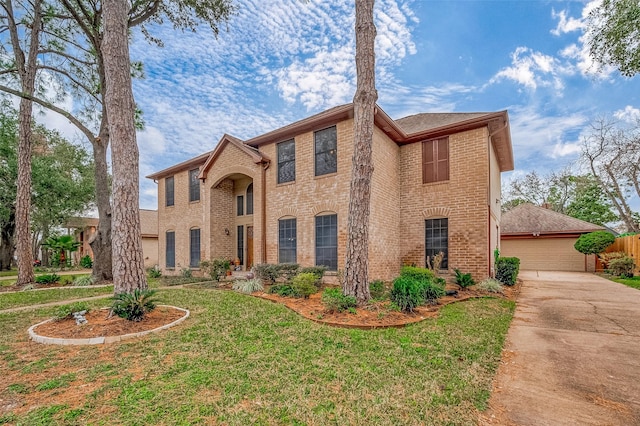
(62, 176)
(613, 32)
(579, 196)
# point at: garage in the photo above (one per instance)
(543, 239)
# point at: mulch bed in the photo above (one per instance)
(100, 325)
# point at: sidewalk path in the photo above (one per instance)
(61, 273)
(572, 355)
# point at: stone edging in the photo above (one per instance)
(102, 339)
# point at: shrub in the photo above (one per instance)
(408, 292)
(334, 301)
(433, 291)
(463, 280)
(594, 242)
(284, 290)
(248, 286)
(84, 281)
(216, 268)
(490, 285)
(287, 270)
(154, 272)
(318, 271)
(272, 272)
(377, 290)
(304, 285)
(267, 271)
(608, 257)
(622, 267)
(507, 269)
(419, 274)
(86, 262)
(134, 306)
(47, 279)
(186, 273)
(65, 311)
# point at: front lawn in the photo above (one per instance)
(35, 297)
(240, 360)
(631, 282)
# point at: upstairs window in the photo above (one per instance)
(326, 158)
(168, 191)
(250, 199)
(194, 185)
(435, 160)
(239, 205)
(286, 161)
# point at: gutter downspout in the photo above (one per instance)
(263, 257)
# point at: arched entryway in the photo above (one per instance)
(232, 228)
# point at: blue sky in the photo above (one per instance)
(283, 60)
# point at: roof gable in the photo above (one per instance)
(255, 155)
(529, 219)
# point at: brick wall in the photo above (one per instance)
(400, 203)
(309, 195)
(462, 199)
(180, 218)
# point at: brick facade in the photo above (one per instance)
(400, 202)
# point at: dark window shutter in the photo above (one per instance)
(435, 160)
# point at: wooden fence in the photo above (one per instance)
(630, 245)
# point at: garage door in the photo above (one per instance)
(545, 254)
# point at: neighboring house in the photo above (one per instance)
(84, 228)
(543, 239)
(283, 196)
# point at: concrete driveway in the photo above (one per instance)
(572, 355)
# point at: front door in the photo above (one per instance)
(249, 262)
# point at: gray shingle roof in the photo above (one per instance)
(529, 219)
(425, 121)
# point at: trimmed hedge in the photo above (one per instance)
(507, 269)
(594, 242)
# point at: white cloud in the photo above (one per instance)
(566, 24)
(533, 69)
(629, 114)
(537, 136)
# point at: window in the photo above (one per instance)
(437, 240)
(194, 185)
(241, 244)
(250, 199)
(286, 161)
(170, 250)
(327, 241)
(326, 151)
(168, 191)
(287, 241)
(435, 160)
(240, 205)
(194, 248)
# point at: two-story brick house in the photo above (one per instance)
(283, 196)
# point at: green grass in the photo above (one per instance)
(34, 297)
(9, 273)
(631, 282)
(240, 360)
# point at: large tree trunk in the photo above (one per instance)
(101, 241)
(128, 261)
(357, 258)
(27, 71)
(6, 243)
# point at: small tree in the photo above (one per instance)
(594, 242)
